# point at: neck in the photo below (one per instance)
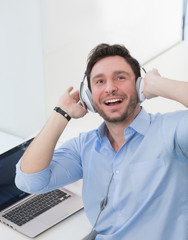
(116, 130)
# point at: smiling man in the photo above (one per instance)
(113, 85)
(134, 166)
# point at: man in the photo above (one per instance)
(134, 166)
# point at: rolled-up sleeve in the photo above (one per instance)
(31, 183)
(65, 168)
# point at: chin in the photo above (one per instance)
(115, 117)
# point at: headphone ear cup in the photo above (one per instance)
(139, 89)
(86, 97)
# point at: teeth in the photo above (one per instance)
(113, 101)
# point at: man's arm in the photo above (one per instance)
(39, 154)
(155, 85)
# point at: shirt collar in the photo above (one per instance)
(140, 124)
(102, 130)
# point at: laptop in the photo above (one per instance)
(31, 214)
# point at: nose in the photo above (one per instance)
(111, 87)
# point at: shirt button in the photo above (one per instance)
(117, 171)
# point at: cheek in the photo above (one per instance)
(131, 89)
(127, 88)
(96, 92)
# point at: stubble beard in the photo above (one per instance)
(126, 114)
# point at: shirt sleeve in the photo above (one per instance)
(65, 168)
(182, 137)
(176, 133)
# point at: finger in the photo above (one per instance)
(155, 70)
(86, 111)
(70, 89)
(75, 96)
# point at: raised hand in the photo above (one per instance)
(69, 102)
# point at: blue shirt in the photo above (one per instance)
(148, 195)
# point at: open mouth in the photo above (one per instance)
(113, 102)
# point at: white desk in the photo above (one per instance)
(8, 141)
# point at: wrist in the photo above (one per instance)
(63, 113)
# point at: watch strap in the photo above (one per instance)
(59, 110)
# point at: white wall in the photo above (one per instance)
(21, 67)
(33, 75)
(72, 28)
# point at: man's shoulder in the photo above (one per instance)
(169, 115)
(169, 122)
(174, 116)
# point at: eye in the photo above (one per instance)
(100, 81)
(119, 78)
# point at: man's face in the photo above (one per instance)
(113, 89)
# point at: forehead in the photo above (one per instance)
(109, 65)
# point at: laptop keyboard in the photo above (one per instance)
(36, 206)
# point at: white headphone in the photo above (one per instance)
(86, 96)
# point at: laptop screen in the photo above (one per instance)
(9, 193)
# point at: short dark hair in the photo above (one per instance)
(105, 50)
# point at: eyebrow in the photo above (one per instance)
(120, 72)
(97, 76)
(114, 73)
